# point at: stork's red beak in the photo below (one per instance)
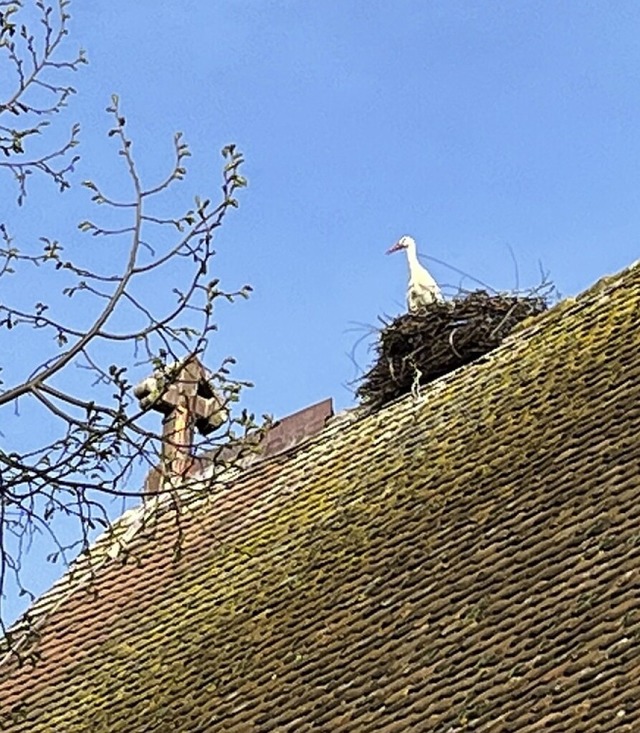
(395, 248)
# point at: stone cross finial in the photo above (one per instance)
(182, 392)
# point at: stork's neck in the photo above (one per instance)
(412, 258)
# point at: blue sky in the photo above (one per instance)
(472, 126)
(475, 127)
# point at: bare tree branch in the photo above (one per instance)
(34, 62)
(98, 436)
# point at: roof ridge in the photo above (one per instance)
(603, 286)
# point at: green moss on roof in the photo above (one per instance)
(467, 560)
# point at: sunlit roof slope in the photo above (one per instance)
(467, 559)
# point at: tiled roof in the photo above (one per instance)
(467, 560)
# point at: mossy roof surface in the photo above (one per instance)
(465, 560)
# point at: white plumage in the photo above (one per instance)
(423, 289)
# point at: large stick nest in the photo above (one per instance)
(415, 349)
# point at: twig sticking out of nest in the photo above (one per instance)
(422, 346)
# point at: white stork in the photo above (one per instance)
(423, 289)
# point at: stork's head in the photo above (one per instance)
(403, 243)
